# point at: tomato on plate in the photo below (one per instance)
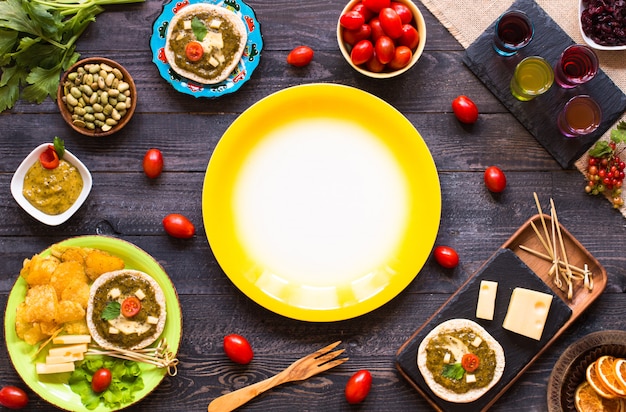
(376, 5)
(352, 37)
(131, 306)
(385, 49)
(446, 256)
(410, 36)
(401, 58)
(300, 56)
(49, 158)
(179, 226)
(470, 362)
(358, 386)
(377, 29)
(403, 11)
(101, 380)
(194, 51)
(13, 397)
(390, 22)
(351, 20)
(153, 163)
(238, 349)
(362, 52)
(465, 109)
(495, 180)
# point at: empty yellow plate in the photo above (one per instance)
(321, 202)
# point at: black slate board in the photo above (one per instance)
(539, 115)
(510, 272)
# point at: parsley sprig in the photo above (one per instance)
(38, 42)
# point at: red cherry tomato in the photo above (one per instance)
(385, 49)
(153, 163)
(300, 56)
(179, 226)
(365, 12)
(410, 37)
(401, 58)
(403, 11)
(374, 65)
(101, 380)
(362, 52)
(495, 180)
(465, 109)
(377, 29)
(49, 158)
(390, 22)
(13, 397)
(470, 362)
(352, 37)
(131, 306)
(194, 51)
(446, 257)
(351, 20)
(376, 5)
(238, 349)
(358, 386)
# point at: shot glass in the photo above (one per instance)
(513, 31)
(533, 76)
(577, 65)
(580, 116)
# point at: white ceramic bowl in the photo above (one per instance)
(17, 185)
(589, 41)
(418, 22)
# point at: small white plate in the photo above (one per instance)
(17, 186)
(587, 40)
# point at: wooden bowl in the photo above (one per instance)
(76, 118)
(418, 22)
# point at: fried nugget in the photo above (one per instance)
(98, 262)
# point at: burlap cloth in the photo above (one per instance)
(467, 20)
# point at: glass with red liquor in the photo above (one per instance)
(577, 65)
(513, 31)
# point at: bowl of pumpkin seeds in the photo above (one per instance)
(97, 96)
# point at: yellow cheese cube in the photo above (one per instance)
(528, 312)
(486, 299)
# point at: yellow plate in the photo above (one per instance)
(321, 202)
(54, 388)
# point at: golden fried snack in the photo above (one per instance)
(98, 262)
(38, 270)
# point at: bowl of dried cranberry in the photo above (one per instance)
(381, 38)
(603, 23)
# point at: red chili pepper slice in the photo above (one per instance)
(49, 158)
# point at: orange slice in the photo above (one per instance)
(620, 371)
(588, 400)
(605, 367)
(596, 383)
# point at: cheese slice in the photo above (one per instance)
(486, 299)
(71, 339)
(68, 350)
(45, 368)
(527, 312)
(65, 359)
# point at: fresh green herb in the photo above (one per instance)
(38, 42)
(602, 148)
(199, 29)
(111, 310)
(59, 146)
(126, 381)
(453, 371)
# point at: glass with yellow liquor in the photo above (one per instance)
(533, 76)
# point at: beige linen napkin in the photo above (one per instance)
(466, 21)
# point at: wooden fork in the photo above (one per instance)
(317, 362)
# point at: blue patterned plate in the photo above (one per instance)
(243, 71)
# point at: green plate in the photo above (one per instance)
(54, 388)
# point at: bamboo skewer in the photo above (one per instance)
(159, 356)
(543, 256)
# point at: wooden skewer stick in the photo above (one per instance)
(543, 221)
(549, 259)
(543, 242)
(568, 278)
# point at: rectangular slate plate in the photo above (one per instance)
(539, 115)
(506, 268)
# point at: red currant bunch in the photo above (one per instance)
(605, 168)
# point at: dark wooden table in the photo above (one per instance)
(126, 204)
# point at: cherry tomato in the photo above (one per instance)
(179, 226)
(153, 163)
(238, 349)
(365, 12)
(446, 257)
(385, 49)
(300, 56)
(351, 20)
(352, 37)
(131, 306)
(470, 362)
(358, 386)
(374, 65)
(403, 11)
(401, 58)
(362, 52)
(390, 22)
(376, 5)
(377, 29)
(410, 37)
(495, 180)
(465, 109)
(194, 51)
(49, 158)
(101, 380)
(13, 397)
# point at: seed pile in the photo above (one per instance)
(97, 96)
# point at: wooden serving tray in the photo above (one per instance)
(511, 267)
